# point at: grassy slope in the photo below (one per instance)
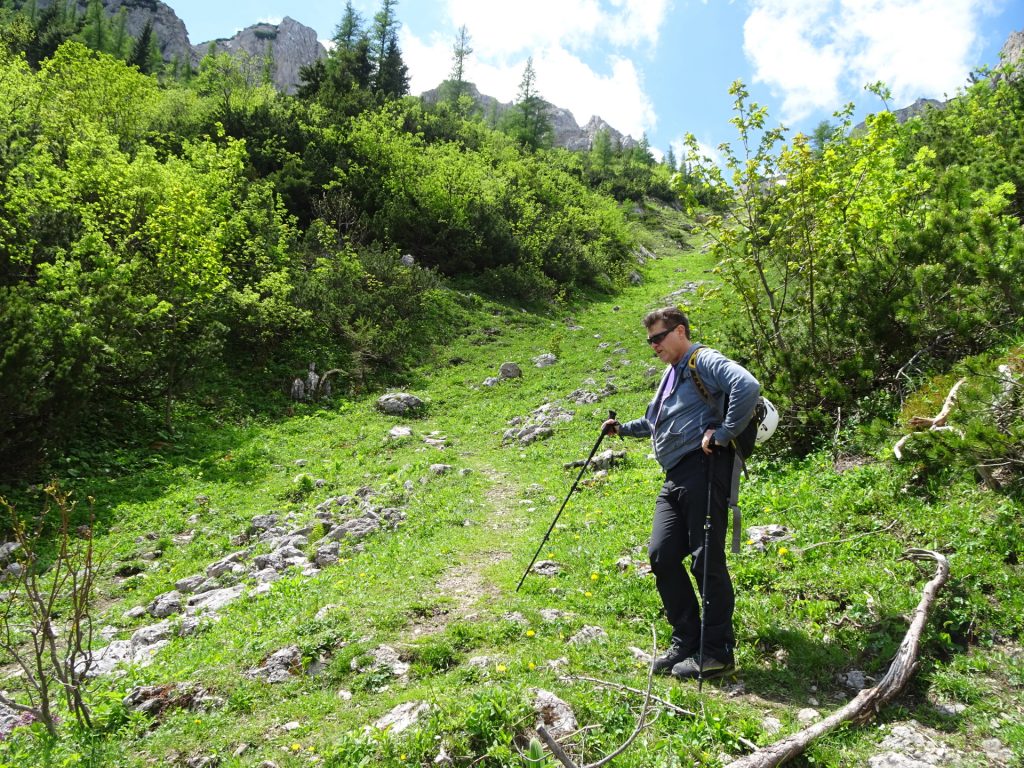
(440, 588)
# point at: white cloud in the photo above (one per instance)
(581, 51)
(818, 54)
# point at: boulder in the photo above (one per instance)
(399, 403)
(402, 717)
(554, 714)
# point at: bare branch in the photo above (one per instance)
(934, 424)
(865, 704)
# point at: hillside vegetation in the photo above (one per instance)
(277, 576)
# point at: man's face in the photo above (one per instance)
(671, 347)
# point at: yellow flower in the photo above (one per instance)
(501, 668)
(532, 666)
(588, 594)
(296, 747)
(593, 577)
(530, 633)
(783, 551)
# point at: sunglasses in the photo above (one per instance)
(660, 337)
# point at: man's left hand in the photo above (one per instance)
(707, 444)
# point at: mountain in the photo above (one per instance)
(290, 45)
(172, 37)
(567, 132)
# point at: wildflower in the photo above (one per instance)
(296, 746)
(588, 594)
(593, 577)
(530, 633)
(501, 668)
(783, 551)
(532, 666)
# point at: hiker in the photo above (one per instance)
(690, 434)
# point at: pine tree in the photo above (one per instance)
(528, 121)
(670, 159)
(460, 52)
(390, 75)
(94, 32)
(140, 56)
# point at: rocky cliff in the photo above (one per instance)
(171, 34)
(567, 132)
(1012, 53)
(290, 45)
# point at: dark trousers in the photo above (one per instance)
(678, 532)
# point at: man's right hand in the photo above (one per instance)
(610, 427)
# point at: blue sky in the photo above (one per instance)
(663, 67)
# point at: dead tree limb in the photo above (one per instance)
(933, 424)
(619, 687)
(846, 540)
(642, 723)
(868, 702)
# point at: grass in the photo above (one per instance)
(440, 588)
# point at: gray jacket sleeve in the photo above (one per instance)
(731, 379)
(636, 428)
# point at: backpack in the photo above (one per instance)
(745, 441)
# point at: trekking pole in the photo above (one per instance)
(704, 580)
(611, 415)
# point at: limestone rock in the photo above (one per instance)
(289, 45)
(510, 371)
(588, 634)
(398, 403)
(166, 604)
(280, 666)
(402, 717)
(554, 714)
(545, 360)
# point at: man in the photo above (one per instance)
(691, 437)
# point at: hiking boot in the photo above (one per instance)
(676, 653)
(690, 669)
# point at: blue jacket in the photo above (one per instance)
(685, 415)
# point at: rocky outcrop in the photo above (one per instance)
(1012, 53)
(566, 132)
(917, 108)
(172, 37)
(290, 46)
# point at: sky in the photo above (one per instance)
(663, 67)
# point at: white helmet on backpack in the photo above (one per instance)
(768, 424)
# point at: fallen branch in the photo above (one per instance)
(934, 424)
(868, 702)
(619, 687)
(845, 541)
(642, 723)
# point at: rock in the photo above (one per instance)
(552, 615)
(771, 725)
(264, 522)
(154, 700)
(280, 666)
(807, 715)
(402, 717)
(635, 278)
(382, 658)
(588, 634)
(440, 469)
(639, 654)
(545, 360)
(510, 371)
(327, 555)
(911, 745)
(948, 709)
(213, 601)
(515, 617)
(166, 604)
(398, 403)
(855, 680)
(289, 46)
(151, 635)
(602, 461)
(554, 714)
(546, 568)
(480, 662)
(7, 549)
(761, 535)
(491, 381)
(229, 564)
(136, 613)
(408, 260)
(397, 433)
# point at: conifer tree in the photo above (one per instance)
(528, 121)
(460, 52)
(140, 56)
(390, 75)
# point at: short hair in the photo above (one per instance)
(670, 316)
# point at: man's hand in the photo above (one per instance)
(610, 427)
(707, 444)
